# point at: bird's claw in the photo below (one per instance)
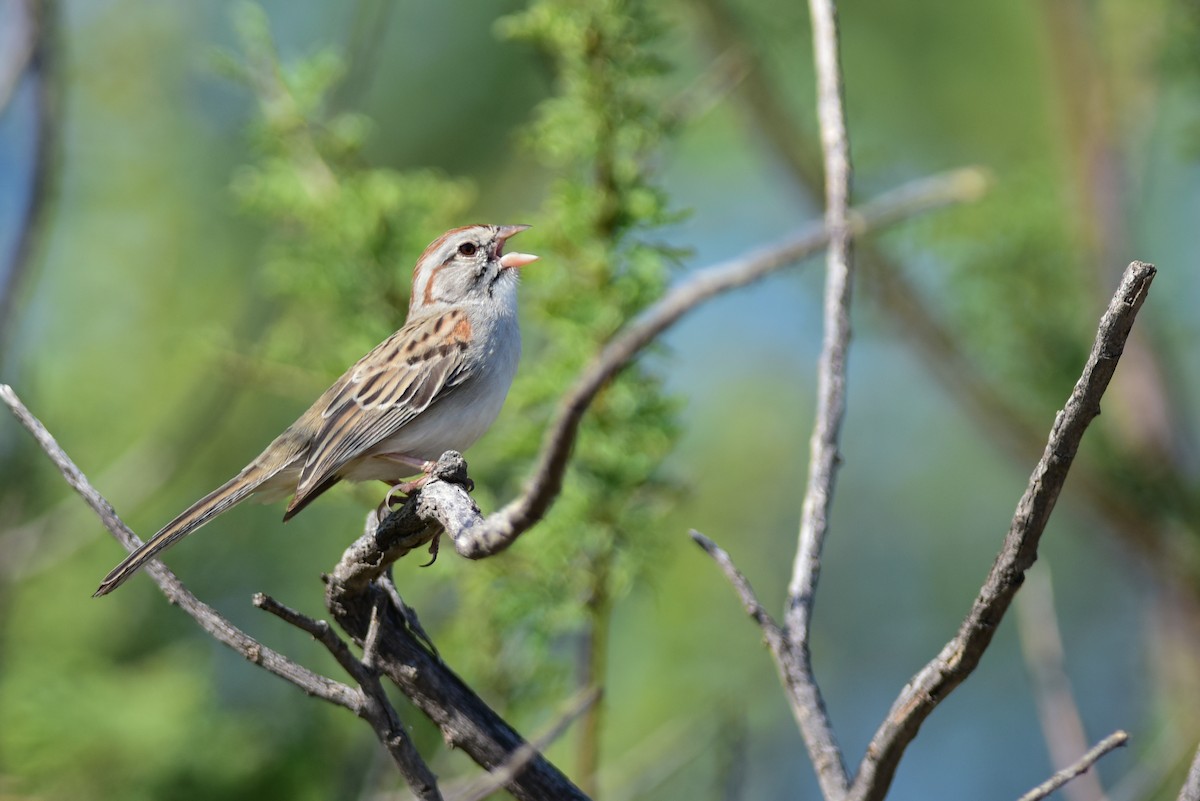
(433, 549)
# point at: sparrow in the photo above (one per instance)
(437, 384)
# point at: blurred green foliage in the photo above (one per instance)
(337, 229)
(997, 251)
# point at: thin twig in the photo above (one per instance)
(1112, 741)
(824, 456)
(772, 633)
(208, 618)
(374, 706)
(960, 656)
(320, 631)
(831, 374)
(1191, 787)
(795, 671)
(546, 481)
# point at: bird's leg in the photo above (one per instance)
(421, 465)
(403, 487)
(409, 487)
(425, 468)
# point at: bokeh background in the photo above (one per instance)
(164, 318)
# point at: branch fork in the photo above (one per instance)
(959, 657)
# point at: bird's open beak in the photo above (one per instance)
(512, 261)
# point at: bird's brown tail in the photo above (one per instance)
(214, 503)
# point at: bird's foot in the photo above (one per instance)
(400, 492)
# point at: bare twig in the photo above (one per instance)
(795, 673)
(831, 373)
(1191, 787)
(772, 633)
(445, 504)
(373, 705)
(1112, 741)
(960, 656)
(206, 616)
(1041, 645)
(507, 524)
(824, 457)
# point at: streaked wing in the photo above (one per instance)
(385, 390)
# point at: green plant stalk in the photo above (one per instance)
(593, 664)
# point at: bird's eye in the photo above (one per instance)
(467, 249)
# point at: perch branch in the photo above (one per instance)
(445, 505)
(1109, 743)
(960, 656)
